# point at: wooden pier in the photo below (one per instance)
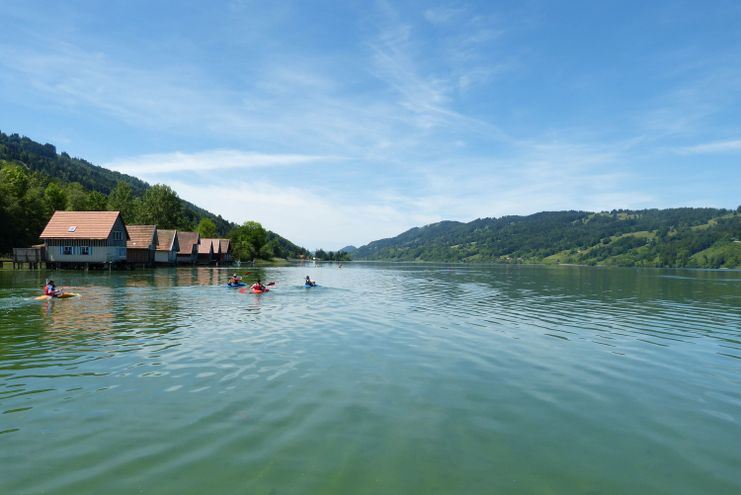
(33, 257)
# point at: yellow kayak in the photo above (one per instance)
(63, 295)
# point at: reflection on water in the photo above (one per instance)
(386, 379)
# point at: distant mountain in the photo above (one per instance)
(349, 249)
(678, 237)
(44, 166)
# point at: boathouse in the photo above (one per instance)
(225, 251)
(206, 251)
(167, 247)
(142, 243)
(85, 238)
(188, 247)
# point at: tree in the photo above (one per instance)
(77, 198)
(54, 198)
(15, 180)
(206, 228)
(23, 212)
(121, 199)
(250, 241)
(161, 207)
(96, 201)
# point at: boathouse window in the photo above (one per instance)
(117, 235)
(67, 250)
(85, 250)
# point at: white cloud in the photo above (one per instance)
(302, 217)
(158, 163)
(553, 176)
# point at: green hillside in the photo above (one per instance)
(35, 181)
(44, 158)
(677, 237)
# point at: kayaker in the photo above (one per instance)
(257, 286)
(51, 290)
(310, 282)
(234, 280)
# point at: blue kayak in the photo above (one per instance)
(240, 284)
(309, 286)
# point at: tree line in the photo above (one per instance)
(323, 255)
(29, 198)
(36, 181)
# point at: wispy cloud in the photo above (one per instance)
(442, 14)
(730, 146)
(302, 216)
(701, 97)
(301, 105)
(427, 96)
(80, 79)
(158, 163)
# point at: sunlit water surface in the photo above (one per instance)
(408, 379)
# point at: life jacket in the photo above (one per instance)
(48, 290)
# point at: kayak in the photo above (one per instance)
(64, 295)
(309, 286)
(240, 284)
(254, 291)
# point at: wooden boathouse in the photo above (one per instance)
(83, 238)
(167, 247)
(188, 247)
(141, 246)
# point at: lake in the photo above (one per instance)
(386, 379)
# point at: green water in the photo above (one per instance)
(392, 379)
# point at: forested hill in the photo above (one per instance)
(44, 158)
(36, 180)
(678, 237)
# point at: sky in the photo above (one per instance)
(342, 122)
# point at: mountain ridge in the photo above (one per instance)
(672, 237)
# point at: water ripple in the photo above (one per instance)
(387, 378)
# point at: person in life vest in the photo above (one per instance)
(51, 290)
(257, 286)
(309, 282)
(234, 280)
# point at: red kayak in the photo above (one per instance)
(244, 290)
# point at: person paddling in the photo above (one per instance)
(258, 286)
(309, 282)
(234, 280)
(51, 290)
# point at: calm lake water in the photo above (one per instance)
(387, 379)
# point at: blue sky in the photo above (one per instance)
(337, 123)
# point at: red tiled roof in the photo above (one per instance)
(165, 239)
(140, 236)
(206, 246)
(80, 225)
(225, 245)
(186, 241)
